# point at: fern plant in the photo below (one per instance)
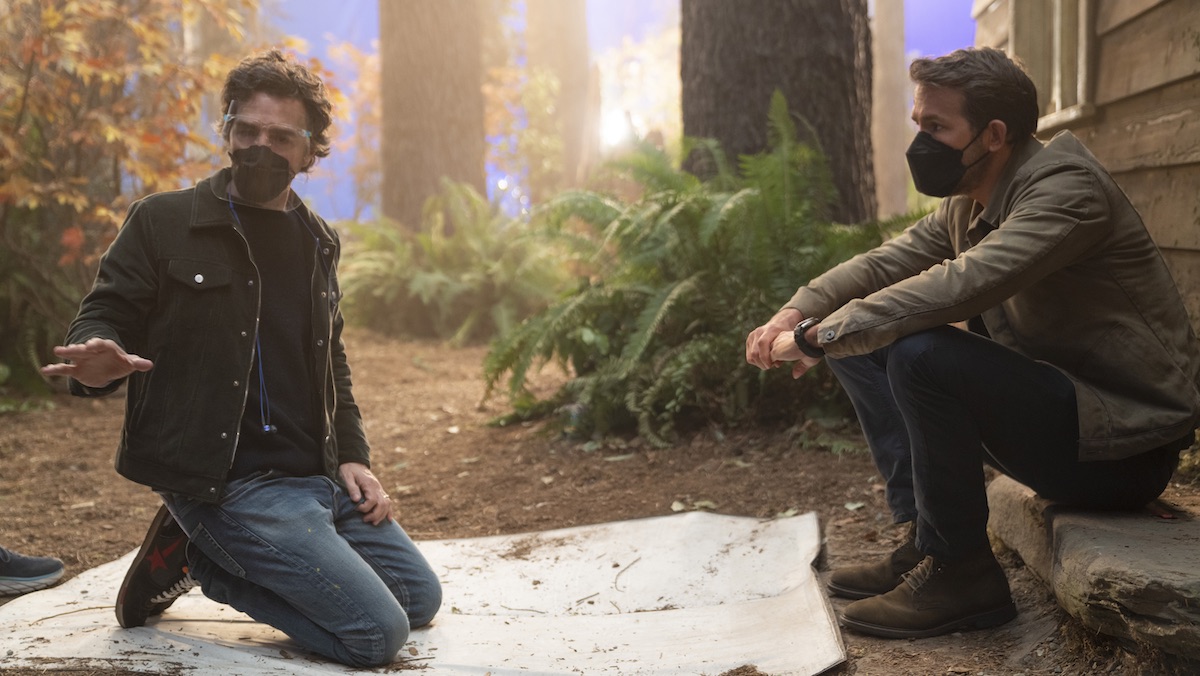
(469, 272)
(670, 285)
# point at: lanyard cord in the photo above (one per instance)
(264, 401)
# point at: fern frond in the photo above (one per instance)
(651, 318)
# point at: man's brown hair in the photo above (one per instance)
(273, 73)
(994, 86)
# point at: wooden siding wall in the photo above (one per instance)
(1146, 123)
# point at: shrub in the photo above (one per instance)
(671, 283)
(467, 274)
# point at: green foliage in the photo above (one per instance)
(468, 273)
(1189, 464)
(672, 282)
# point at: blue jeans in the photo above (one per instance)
(293, 553)
(936, 405)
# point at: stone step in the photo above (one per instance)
(1133, 575)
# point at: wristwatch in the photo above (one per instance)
(816, 352)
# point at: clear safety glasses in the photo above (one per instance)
(247, 131)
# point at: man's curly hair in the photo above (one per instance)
(272, 72)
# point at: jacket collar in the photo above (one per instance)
(1022, 153)
(211, 207)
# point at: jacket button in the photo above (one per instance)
(320, 343)
(244, 334)
(829, 335)
(324, 295)
(250, 283)
(199, 278)
(325, 251)
(236, 383)
(224, 435)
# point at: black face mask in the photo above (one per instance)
(937, 168)
(260, 174)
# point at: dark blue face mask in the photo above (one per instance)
(936, 168)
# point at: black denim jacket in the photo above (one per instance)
(178, 286)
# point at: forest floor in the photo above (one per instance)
(454, 476)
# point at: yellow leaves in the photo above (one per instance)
(97, 96)
(296, 44)
(51, 19)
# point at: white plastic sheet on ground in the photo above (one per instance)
(689, 594)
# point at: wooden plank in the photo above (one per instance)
(1169, 202)
(1161, 46)
(1156, 129)
(991, 24)
(1113, 13)
(1031, 38)
(1185, 268)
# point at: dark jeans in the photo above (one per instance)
(936, 405)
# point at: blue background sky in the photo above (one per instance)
(931, 27)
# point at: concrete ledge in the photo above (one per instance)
(1133, 575)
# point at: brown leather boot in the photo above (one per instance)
(937, 597)
(871, 579)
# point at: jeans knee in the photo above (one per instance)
(424, 601)
(379, 644)
(908, 349)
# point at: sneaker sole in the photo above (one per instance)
(15, 586)
(143, 551)
(984, 620)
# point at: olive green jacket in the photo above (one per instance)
(1061, 269)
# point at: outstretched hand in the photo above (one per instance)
(96, 363)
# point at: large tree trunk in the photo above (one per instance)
(431, 75)
(557, 39)
(734, 55)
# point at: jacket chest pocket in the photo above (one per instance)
(200, 293)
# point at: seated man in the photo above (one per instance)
(219, 305)
(1080, 380)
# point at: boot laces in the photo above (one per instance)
(176, 590)
(918, 576)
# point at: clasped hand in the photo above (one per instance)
(774, 343)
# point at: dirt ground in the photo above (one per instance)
(454, 476)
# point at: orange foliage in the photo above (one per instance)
(101, 100)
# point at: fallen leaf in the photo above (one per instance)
(855, 506)
(619, 458)
(678, 506)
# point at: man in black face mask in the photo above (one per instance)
(219, 305)
(1080, 378)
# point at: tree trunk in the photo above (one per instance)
(557, 39)
(431, 75)
(734, 55)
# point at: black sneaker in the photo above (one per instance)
(158, 575)
(20, 574)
